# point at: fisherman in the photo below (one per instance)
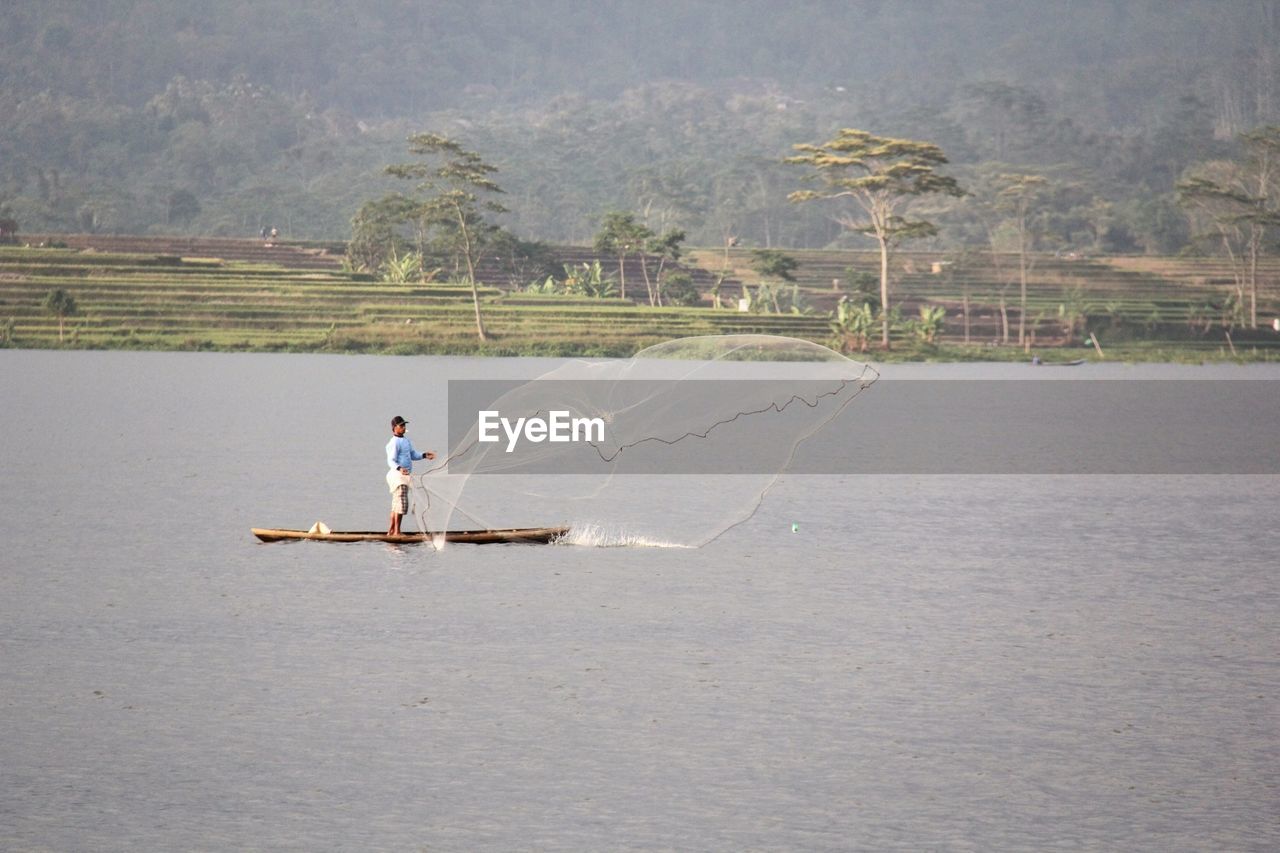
(400, 458)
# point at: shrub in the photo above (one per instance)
(678, 289)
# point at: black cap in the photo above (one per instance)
(397, 420)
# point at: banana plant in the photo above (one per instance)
(853, 325)
(401, 270)
(930, 323)
(550, 286)
(1074, 312)
(588, 279)
(799, 305)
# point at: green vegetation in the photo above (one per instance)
(1140, 308)
(874, 182)
(60, 304)
(621, 236)
(134, 302)
(1125, 191)
(584, 279)
(219, 118)
(447, 215)
(1238, 201)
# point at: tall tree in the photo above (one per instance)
(874, 180)
(1016, 197)
(667, 249)
(621, 235)
(1241, 200)
(455, 184)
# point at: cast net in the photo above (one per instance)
(674, 447)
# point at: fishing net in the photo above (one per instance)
(674, 446)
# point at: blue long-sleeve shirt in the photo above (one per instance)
(400, 453)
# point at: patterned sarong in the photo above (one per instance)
(399, 485)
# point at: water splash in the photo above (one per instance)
(602, 536)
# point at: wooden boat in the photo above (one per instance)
(1076, 363)
(514, 535)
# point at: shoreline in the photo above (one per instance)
(1056, 357)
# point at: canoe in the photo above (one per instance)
(526, 535)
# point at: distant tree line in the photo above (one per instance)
(284, 116)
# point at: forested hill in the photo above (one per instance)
(1110, 62)
(220, 116)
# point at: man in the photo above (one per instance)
(400, 459)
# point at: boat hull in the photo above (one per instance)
(515, 535)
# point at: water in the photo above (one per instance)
(930, 662)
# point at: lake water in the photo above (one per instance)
(1002, 658)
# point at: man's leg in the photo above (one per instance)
(399, 506)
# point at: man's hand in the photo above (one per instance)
(430, 454)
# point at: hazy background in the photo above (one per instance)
(222, 116)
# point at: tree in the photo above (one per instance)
(864, 286)
(875, 180)
(182, 207)
(1006, 120)
(455, 184)
(772, 263)
(1018, 195)
(776, 266)
(1241, 201)
(666, 247)
(1004, 210)
(62, 305)
(375, 232)
(621, 235)
(729, 242)
(678, 289)
(8, 226)
(1015, 197)
(520, 260)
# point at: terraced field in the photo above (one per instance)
(1134, 303)
(172, 302)
(168, 293)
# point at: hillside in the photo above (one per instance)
(182, 293)
(221, 117)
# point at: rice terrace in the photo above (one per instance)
(241, 295)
